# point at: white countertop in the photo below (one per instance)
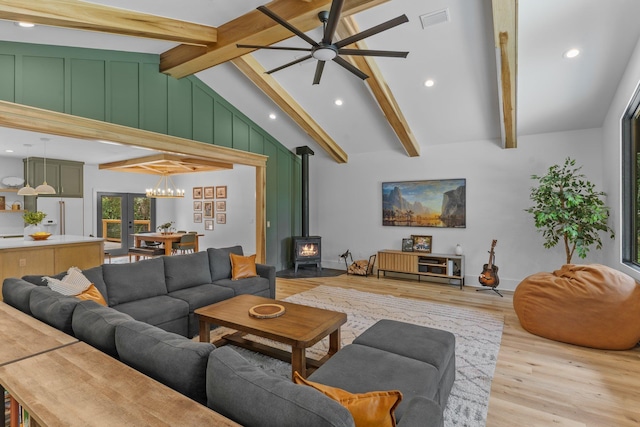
(20, 242)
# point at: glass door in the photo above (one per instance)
(120, 215)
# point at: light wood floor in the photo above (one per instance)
(538, 382)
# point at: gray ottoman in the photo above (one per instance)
(432, 346)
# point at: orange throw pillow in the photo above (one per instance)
(373, 409)
(92, 293)
(243, 266)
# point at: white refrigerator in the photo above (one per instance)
(65, 215)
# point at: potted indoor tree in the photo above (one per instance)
(567, 207)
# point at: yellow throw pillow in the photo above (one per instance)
(243, 266)
(92, 293)
(373, 409)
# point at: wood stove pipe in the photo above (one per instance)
(305, 151)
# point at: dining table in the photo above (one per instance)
(165, 238)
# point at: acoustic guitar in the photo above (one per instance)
(489, 275)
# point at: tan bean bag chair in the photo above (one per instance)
(588, 305)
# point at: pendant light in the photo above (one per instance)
(45, 188)
(27, 190)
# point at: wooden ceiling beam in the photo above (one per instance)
(251, 68)
(81, 15)
(379, 89)
(253, 28)
(505, 26)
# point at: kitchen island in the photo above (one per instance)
(19, 257)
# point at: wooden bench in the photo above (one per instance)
(145, 252)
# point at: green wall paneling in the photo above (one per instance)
(41, 81)
(154, 99)
(256, 142)
(124, 86)
(273, 255)
(7, 81)
(180, 108)
(222, 125)
(88, 88)
(284, 198)
(202, 115)
(240, 134)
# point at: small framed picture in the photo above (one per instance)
(221, 206)
(197, 206)
(421, 243)
(407, 245)
(208, 192)
(221, 192)
(197, 192)
(221, 218)
(208, 224)
(197, 217)
(208, 209)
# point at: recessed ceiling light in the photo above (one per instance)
(429, 83)
(338, 102)
(8, 151)
(571, 53)
(26, 24)
(272, 116)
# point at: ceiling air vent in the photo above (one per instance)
(434, 18)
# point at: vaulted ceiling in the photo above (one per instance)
(497, 65)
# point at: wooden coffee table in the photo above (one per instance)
(300, 327)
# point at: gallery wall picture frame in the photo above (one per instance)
(407, 245)
(209, 192)
(197, 192)
(437, 203)
(197, 217)
(221, 192)
(208, 209)
(221, 218)
(421, 243)
(208, 224)
(221, 205)
(197, 206)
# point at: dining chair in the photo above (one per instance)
(186, 244)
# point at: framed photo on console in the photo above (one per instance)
(407, 245)
(421, 243)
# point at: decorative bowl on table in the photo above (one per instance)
(40, 235)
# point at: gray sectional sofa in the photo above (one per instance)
(390, 355)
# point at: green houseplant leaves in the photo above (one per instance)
(567, 207)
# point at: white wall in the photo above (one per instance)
(346, 201)
(612, 159)
(11, 223)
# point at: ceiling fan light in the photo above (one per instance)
(324, 54)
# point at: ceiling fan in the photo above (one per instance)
(327, 49)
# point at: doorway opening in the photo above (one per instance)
(120, 215)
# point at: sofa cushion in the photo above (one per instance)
(53, 308)
(96, 325)
(155, 310)
(375, 408)
(200, 296)
(184, 271)
(17, 293)
(95, 276)
(219, 261)
(360, 369)
(243, 266)
(174, 360)
(252, 285)
(136, 281)
(253, 398)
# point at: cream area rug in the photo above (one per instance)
(478, 335)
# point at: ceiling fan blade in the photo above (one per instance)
(371, 31)
(251, 46)
(318, 75)
(297, 61)
(332, 23)
(350, 67)
(288, 26)
(369, 52)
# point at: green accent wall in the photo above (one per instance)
(127, 89)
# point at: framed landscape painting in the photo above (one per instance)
(429, 203)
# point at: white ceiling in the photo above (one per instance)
(554, 93)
